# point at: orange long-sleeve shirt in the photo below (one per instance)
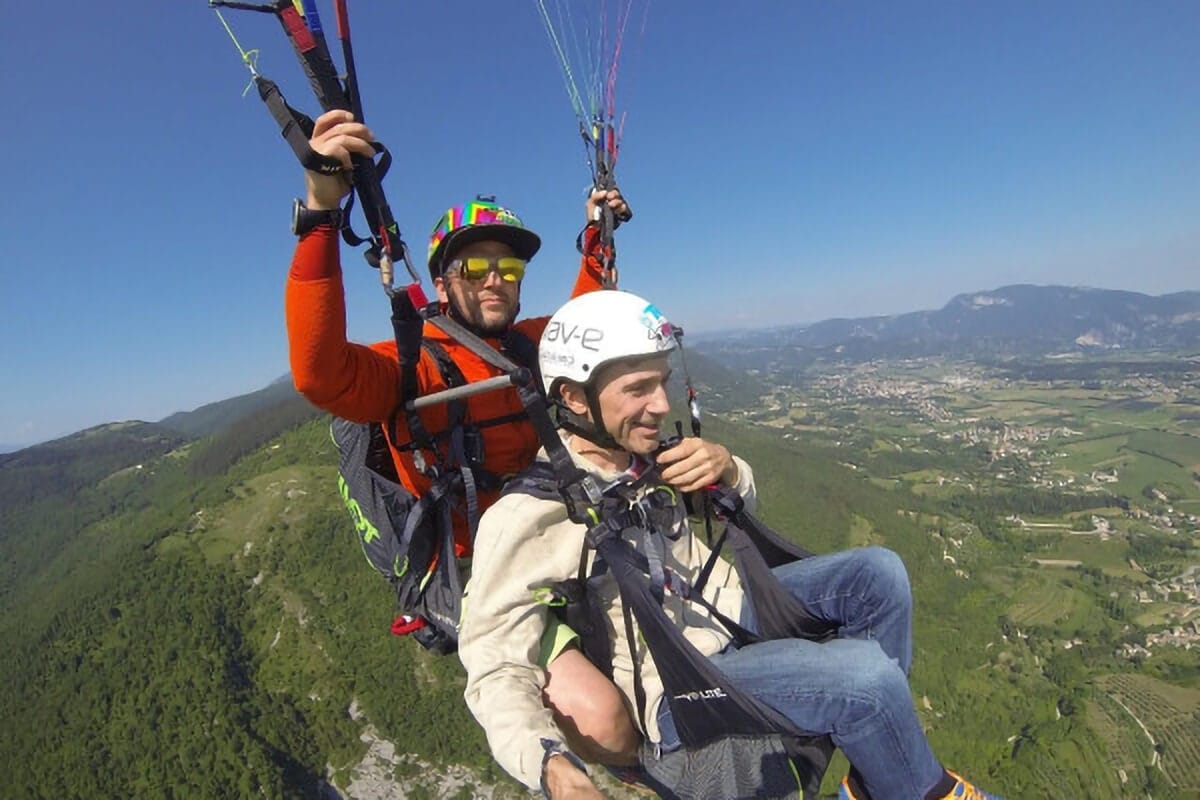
(362, 382)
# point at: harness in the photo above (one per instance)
(430, 598)
(629, 530)
(408, 539)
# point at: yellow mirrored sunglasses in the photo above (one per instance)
(510, 268)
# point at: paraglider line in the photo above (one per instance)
(249, 57)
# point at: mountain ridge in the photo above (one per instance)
(970, 323)
(1019, 319)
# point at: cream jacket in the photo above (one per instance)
(524, 543)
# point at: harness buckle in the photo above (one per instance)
(603, 530)
(591, 489)
(581, 497)
(472, 445)
(640, 514)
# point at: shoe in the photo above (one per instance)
(965, 790)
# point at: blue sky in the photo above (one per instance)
(787, 161)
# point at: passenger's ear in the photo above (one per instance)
(439, 285)
(573, 398)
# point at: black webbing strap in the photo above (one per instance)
(407, 325)
(296, 127)
(524, 351)
(729, 505)
(456, 409)
(470, 500)
(708, 515)
(308, 41)
(579, 489)
(714, 554)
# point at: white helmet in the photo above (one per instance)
(597, 328)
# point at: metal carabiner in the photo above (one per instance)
(387, 272)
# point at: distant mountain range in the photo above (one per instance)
(1012, 320)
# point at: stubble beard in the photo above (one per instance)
(497, 325)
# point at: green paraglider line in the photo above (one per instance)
(572, 89)
(249, 57)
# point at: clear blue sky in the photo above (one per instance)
(787, 161)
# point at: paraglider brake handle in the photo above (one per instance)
(604, 210)
(670, 441)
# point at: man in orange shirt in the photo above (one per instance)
(477, 258)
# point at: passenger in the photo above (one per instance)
(604, 361)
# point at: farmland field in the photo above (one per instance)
(1076, 504)
(1170, 716)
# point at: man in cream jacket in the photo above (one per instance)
(604, 359)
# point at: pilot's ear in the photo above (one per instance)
(573, 398)
(439, 285)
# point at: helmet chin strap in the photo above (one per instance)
(595, 431)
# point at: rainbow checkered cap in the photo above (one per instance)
(478, 221)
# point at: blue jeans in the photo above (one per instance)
(855, 687)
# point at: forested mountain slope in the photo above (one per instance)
(207, 623)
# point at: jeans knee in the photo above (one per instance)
(889, 577)
(879, 680)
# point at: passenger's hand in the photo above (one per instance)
(694, 463)
(565, 781)
(335, 134)
(610, 197)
